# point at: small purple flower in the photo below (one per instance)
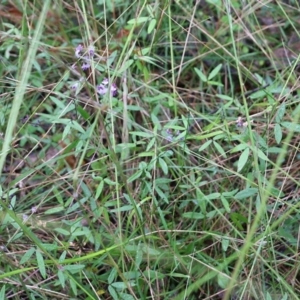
(85, 66)
(75, 85)
(91, 50)
(78, 50)
(102, 89)
(34, 209)
(114, 90)
(171, 136)
(239, 122)
(105, 81)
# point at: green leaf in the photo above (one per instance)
(138, 256)
(225, 244)
(150, 145)
(112, 276)
(74, 287)
(109, 61)
(99, 189)
(225, 97)
(131, 275)
(261, 155)
(83, 112)
(142, 134)
(151, 251)
(223, 280)
(243, 159)
(291, 126)
(219, 149)
(61, 278)
(135, 176)
(214, 213)
(216, 83)
(151, 26)
(54, 210)
(225, 204)
(125, 66)
(156, 122)
(285, 297)
(62, 257)
(218, 3)
(278, 133)
(50, 247)
(41, 263)
(62, 231)
(201, 201)
(66, 131)
(113, 293)
(71, 123)
(148, 59)
(147, 154)
(260, 140)
(275, 150)
(161, 194)
(280, 113)
(213, 196)
(249, 192)
(84, 232)
(193, 215)
(205, 136)
(74, 268)
(258, 94)
(2, 292)
(239, 148)
(238, 220)
(126, 296)
(27, 255)
(214, 72)
(123, 208)
(230, 193)
(138, 20)
(201, 75)
(268, 297)
(205, 145)
(163, 165)
(109, 182)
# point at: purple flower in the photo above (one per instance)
(169, 136)
(102, 88)
(85, 66)
(78, 50)
(75, 85)
(114, 90)
(105, 81)
(91, 50)
(239, 122)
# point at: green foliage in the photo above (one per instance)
(149, 150)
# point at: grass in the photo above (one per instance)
(149, 150)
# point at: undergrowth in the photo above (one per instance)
(149, 149)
